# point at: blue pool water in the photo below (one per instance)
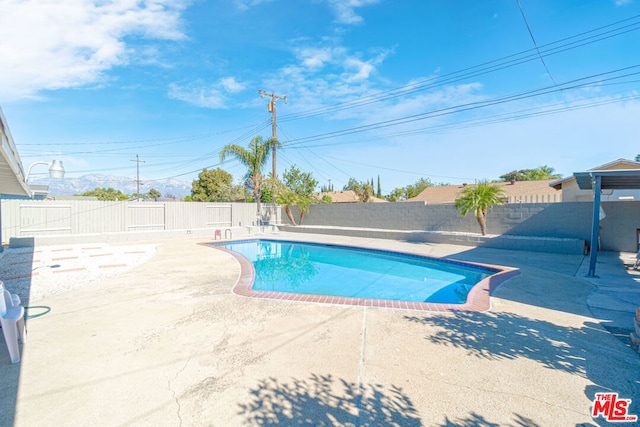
(316, 269)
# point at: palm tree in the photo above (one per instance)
(253, 158)
(287, 198)
(479, 199)
(303, 207)
(543, 172)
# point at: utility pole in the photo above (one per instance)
(138, 161)
(272, 110)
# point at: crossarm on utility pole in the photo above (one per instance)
(272, 110)
(138, 161)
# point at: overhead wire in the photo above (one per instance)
(173, 165)
(474, 71)
(572, 84)
(526, 23)
(397, 170)
(311, 165)
(175, 139)
(591, 36)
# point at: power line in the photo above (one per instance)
(175, 140)
(572, 84)
(578, 40)
(534, 42)
(481, 69)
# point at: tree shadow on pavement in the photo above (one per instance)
(322, 400)
(587, 351)
(475, 420)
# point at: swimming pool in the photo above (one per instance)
(356, 276)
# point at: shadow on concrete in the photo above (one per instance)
(585, 351)
(475, 420)
(547, 280)
(326, 401)
(16, 274)
(612, 296)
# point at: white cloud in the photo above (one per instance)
(212, 96)
(246, 4)
(231, 85)
(70, 43)
(315, 58)
(327, 74)
(362, 69)
(335, 61)
(623, 2)
(345, 10)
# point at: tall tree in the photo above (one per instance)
(106, 194)
(364, 190)
(287, 198)
(253, 158)
(479, 199)
(396, 194)
(538, 174)
(214, 185)
(542, 173)
(154, 194)
(379, 192)
(410, 191)
(418, 187)
(302, 185)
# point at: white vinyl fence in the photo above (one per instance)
(26, 218)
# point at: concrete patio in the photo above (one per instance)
(168, 343)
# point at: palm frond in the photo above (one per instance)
(479, 198)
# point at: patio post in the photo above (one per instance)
(593, 253)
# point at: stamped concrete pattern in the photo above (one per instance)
(168, 343)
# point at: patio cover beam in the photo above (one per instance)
(595, 226)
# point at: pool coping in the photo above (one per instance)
(478, 299)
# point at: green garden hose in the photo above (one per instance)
(44, 309)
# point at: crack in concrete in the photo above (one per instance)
(361, 374)
(175, 397)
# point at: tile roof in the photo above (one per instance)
(346, 196)
(441, 194)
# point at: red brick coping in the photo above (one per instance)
(478, 298)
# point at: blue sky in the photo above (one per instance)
(452, 91)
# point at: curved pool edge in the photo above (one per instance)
(478, 299)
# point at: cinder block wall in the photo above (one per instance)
(570, 219)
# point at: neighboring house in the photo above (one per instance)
(346, 196)
(571, 193)
(514, 192)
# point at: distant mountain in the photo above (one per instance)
(71, 186)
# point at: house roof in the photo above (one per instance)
(442, 194)
(11, 173)
(346, 196)
(614, 165)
